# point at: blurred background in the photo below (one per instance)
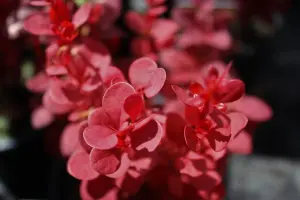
(266, 57)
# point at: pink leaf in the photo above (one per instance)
(38, 24)
(82, 14)
(242, 144)
(39, 3)
(191, 37)
(124, 165)
(114, 98)
(79, 166)
(91, 84)
(145, 75)
(100, 137)
(221, 40)
(54, 106)
(82, 142)
(133, 106)
(56, 70)
(187, 167)
(104, 162)
(163, 30)
(148, 136)
(100, 117)
(69, 139)
(238, 121)
(177, 60)
(254, 108)
(39, 83)
(191, 139)
(112, 75)
(41, 117)
(56, 92)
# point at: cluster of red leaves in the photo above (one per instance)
(125, 132)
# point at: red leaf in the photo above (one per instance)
(136, 22)
(144, 74)
(175, 186)
(41, 117)
(175, 125)
(104, 162)
(183, 16)
(230, 91)
(157, 11)
(191, 139)
(217, 140)
(82, 14)
(221, 121)
(72, 92)
(111, 12)
(186, 97)
(79, 166)
(148, 136)
(238, 121)
(134, 106)
(95, 53)
(114, 98)
(193, 115)
(100, 188)
(38, 24)
(100, 137)
(141, 46)
(207, 181)
(155, 2)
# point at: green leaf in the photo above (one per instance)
(79, 2)
(27, 70)
(4, 126)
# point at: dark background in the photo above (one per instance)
(272, 72)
